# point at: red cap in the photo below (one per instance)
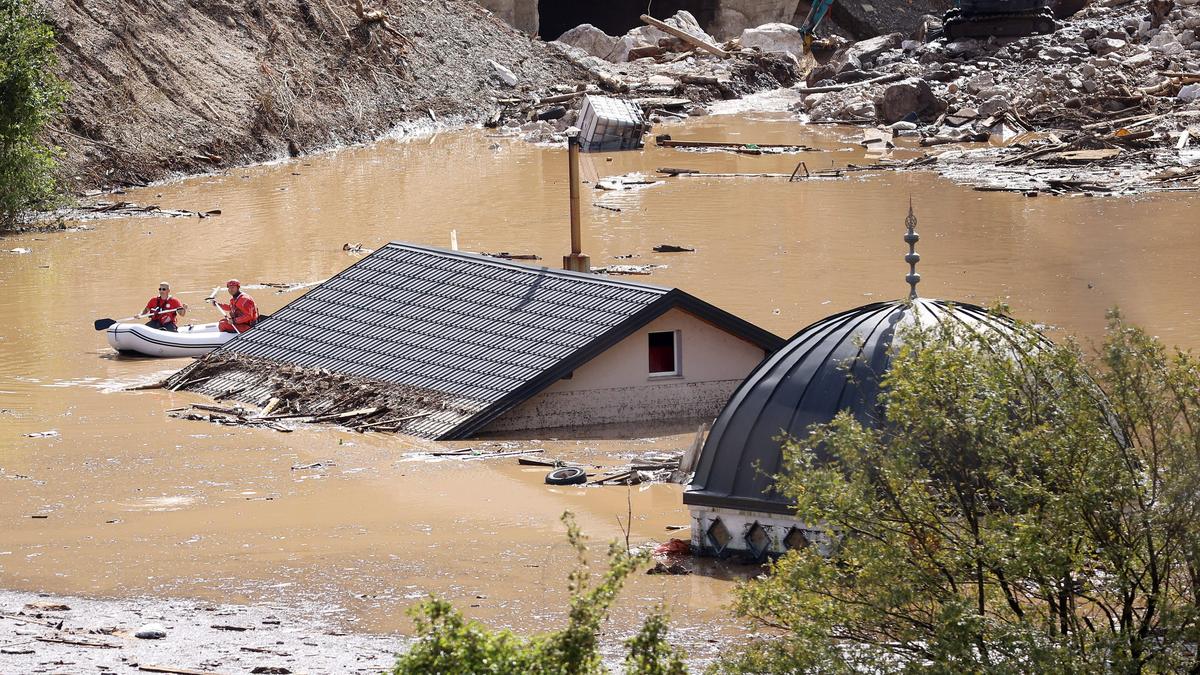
(233, 282)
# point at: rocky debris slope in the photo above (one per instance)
(1109, 102)
(670, 77)
(172, 88)
(163, 89)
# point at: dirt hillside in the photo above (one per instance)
(161, 87)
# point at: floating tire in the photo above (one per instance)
(567, 475)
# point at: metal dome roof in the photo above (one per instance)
(835, 364)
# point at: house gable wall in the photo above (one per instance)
(616, 386)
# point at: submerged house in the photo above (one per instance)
(448, 345)
(835, 364)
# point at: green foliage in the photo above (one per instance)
(30, 96)
(451, 645)
(649, 652)
(1016, 514)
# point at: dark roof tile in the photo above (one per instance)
(489, 332)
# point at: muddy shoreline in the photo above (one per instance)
(53, 633)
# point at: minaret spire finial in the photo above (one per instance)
(911, 238)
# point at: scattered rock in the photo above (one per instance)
(591, 40)
(151, 631)
(1104, 46)
(910, 97)
(774, 37)
(506, 76)
(1138, 60)
(47, 606)
(866, 50)
(552, 113)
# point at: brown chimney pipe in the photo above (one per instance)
(576, 262)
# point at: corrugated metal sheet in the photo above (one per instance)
(472, 328)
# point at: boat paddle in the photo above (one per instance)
(102, 324)
(212, 300)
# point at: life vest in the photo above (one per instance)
(242, 312)
(157, 303)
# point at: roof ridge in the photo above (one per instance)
(501, 262)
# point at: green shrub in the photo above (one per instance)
(449, 644)
(30, 96)
(1028, 514)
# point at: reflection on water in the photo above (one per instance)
(137, 502)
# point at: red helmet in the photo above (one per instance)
(233, 282)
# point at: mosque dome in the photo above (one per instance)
(835, 364)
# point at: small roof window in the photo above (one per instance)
(664, 356)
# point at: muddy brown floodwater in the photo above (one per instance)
(124, 501)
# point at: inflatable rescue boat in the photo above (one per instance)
(136, 338)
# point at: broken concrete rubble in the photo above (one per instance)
(774, 37)
(673, 75)
(1106, 79)
(910, 99)
(626, 48)
(591, 40)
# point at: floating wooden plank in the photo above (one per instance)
(143, 387)
(271, 405)
(361, 412)
(1083, 156)
(390, 422)
(78, 643)
(289, 416)
(697, 174)
(611, 477)
(685, 36)
(494, 455)
(224, 410)
(671, 143)
(453, 453)
(530, 461)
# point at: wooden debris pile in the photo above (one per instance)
(120, 209)
(1107, 103)
(287, 395)
(655, 467)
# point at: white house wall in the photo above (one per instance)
(616, 386)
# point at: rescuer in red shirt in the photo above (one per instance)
(159, 309)
(242, 313)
